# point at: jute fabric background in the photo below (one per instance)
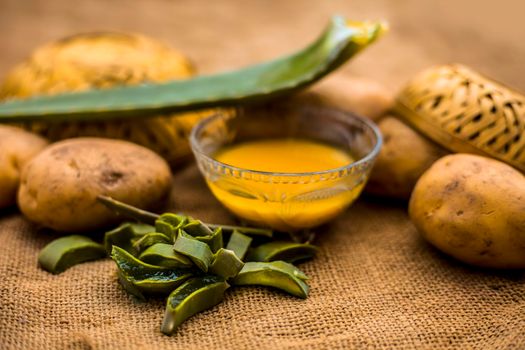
(375, 284)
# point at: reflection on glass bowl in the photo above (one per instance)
(293, 200)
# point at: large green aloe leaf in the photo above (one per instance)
(339, 42)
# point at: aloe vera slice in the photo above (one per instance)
(197, 228)
(214, 241)
(277, 274)
(162, 254)
(64, 252)
(199, 252)
(173, 219)
(337, 44)
(146, 241)
(226, 264)
(138, 277)
(169, 224)
(124, 235)
(239, 244)
(283, 250)
(194, 296)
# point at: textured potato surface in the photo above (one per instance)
(362, 96)
(404, 157)
(59, 187)
(17, 147)
(473, 208)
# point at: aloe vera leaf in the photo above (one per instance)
(282, 250)
(277, 274)
(138, 277)
(162, 254)
(337, 44)
(199, 252)
(123, 235)
(64, 252)
(226, 264)
(192, 297)
(239, 244)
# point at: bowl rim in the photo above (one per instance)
(370, 156)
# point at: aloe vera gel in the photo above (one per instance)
(284, 203)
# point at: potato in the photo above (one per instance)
(17, 147)
(359, 95)
(405, 155)
(473, 208)
(102, 60)
(59, 187)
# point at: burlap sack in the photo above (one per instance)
(375, 284)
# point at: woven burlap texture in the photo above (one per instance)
(375, 284)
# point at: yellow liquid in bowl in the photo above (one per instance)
(280, 202)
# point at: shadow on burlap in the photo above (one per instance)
(375, 284)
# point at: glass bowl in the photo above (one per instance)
(286, 201)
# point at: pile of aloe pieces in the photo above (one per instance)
(191, 262)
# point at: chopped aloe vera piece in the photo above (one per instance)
(129, 287)
(138, 277)
(226, 264)
(173, 219)
(141, 229)
(277, 274)
(196, 228)
(192, 297)
(199, 252)
(162, 254)
(239, 244)
(123, 235)
(214, 241)
(64, 252)
(148, 240)
(282, 250)
(169, 224)
(165, 228)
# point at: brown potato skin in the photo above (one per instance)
(103, 60)
(17, 147)
(472, 208)
(404, 157)
(362, 96)
(59, 187)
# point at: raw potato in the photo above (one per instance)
(17, 147)
(473, 208)
(359, 95)
(403, 159)
(59, 186)
(102, 60)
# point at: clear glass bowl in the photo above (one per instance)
(286, 201)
